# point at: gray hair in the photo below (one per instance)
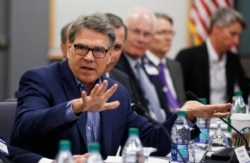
(141, 12)
(116, 22)
(97, 22)
(64, 33)
(226, 16)
(164, 16)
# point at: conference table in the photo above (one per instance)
(118, 159)
(200, 156)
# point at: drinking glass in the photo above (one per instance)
(218, 139)
(147, 151)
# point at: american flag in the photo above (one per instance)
(200, 14)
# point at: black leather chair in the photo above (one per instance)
(7, 116)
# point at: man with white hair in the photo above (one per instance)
(140, 23)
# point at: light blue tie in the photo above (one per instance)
(152, 100)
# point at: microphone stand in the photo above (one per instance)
(142, 111)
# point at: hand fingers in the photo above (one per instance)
(103, 87)
(218, 114)
(220, 107)
(110, 91)
(80, 158)
(95, 90)
(99, 89)
(111, 105)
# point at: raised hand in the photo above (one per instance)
(96, 100)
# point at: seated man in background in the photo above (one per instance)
(171, 84)
(72, 100)
(65, 39)
(140, 23)
(110, 71)
(211, 70)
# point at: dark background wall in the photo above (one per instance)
(24, 39)
(244, 47)
(28, 38)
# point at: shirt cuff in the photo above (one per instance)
(191, 123)
(46, 160)
(69, 114)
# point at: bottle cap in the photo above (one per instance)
(64, 145)
(94, 146)
(203, 100)
(181, 113)
(238, 93)
(133, 131)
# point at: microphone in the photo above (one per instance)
(191, 96)
(139, 109)
(142, 111)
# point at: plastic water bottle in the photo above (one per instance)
(248, 104)
(133, 150)
(64, 155)
(94, 153)
(239, 105)
(204, 125)
(181, 136)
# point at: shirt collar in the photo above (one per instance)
(213, 56)
(154, 59)
(131, 60)
(79, 83)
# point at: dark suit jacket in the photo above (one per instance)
(175, 71)
(195, 65)
(124, 79)
(125, 67)
(42, 98)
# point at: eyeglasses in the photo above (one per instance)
(138, 32)
(165, 33)
(98, 52)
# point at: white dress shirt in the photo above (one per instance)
(151, 87)
(156, 61)
(217, 70)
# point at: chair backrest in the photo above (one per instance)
(7, 116)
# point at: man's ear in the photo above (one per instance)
(69, 47)
(110, 53)
(63, 48)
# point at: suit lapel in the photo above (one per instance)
(174, 76)
(106, 132)
(124, 66)
(205, 67)
(72, 91)
(155, 80)
(69, 84)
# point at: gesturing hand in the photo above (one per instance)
(196, 109)
(97, 99)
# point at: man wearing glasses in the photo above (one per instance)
(168, 81)
(72, 100)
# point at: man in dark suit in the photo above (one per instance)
(158, 48)
(211, 70)
(72, 100)
(110, 71)
(140, 24)
(64, 39)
